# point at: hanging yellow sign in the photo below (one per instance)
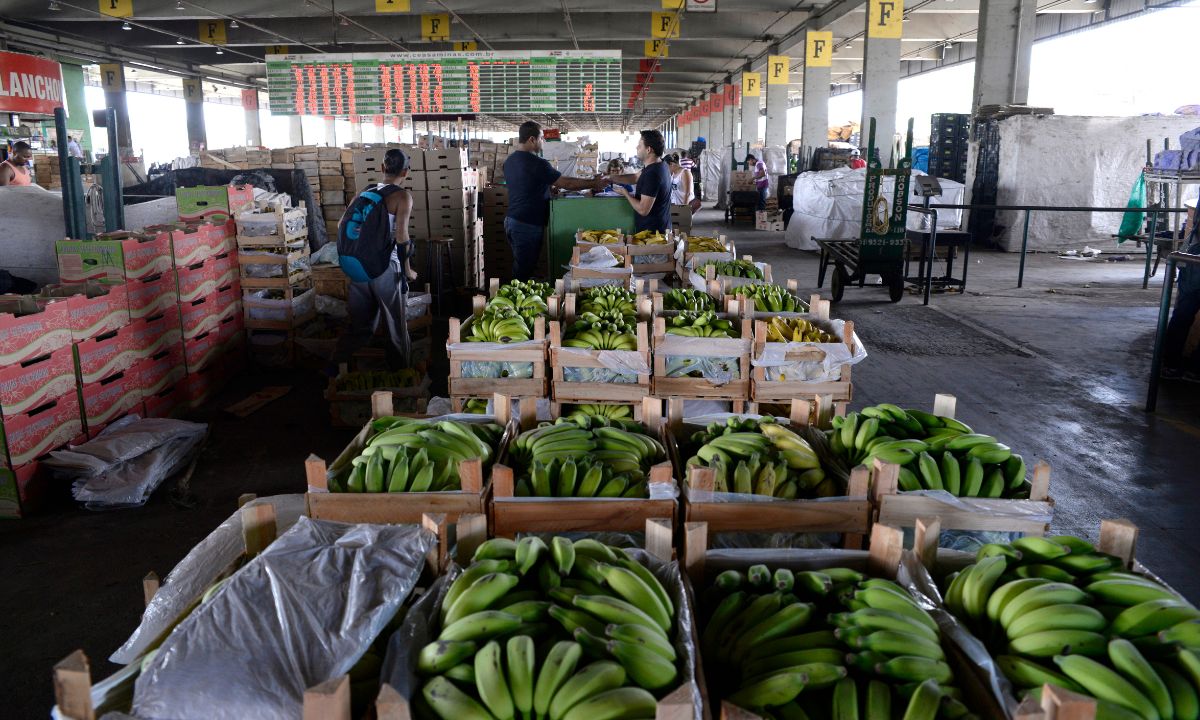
(385, 6)
(819, 49)
(212, 31)
(116, 8)
(277, 50)
(673, 4)
(435, 27)
(778, 68)
(885, 18)
(469, 46)
(751, 84)
(193, 90)
(112, 77)
(664, 25)
(656, 48)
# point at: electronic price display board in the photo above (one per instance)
(445, 83)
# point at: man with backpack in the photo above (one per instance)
(374, 251)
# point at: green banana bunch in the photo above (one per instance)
(688, 299)
(519, 289)
(585, 456)
(933, 452)
(606, 330)
(760, 457)
(359, 381)
(732, 268)
(691, 323)
(500, 324)
(622, 414)
(1055, 610)
(514, 627)
(476, 406)
(823, 644)
(771, 298)
(604, 299)
(412, 455)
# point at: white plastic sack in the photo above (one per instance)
(327, 254)
(836, 356)
(598, 257)
(332, 307)
(299, 614)
(828, 204)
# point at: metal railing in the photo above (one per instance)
(1164, 314)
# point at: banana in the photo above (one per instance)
(563, 552)
(979, 585)
(1026, 673)
(529, 551)
(969, 440)
(787, 620)
(931, 476)
(643, 572)
(724, 614)
(925, 701)
(884, 599)
(1042, 570)
(491, 682)
(467, 578)
(1057, 617)
(1106, 684)
(992, 453)
(1130, 663)
(1128, 593)
(1049, 593)
(570, 619)
(909, 668)
(1152, 616)
(639, 634)
(796, 643)
(1039, 549)
(480, 596)
(496, 549)
(1186, 633)
(439, 656)
(480, 626)
(612, 610)
(630, 587)
(521, 659)
(558, 666)
(949, 471)
(450, 703)
(770, 692)
(845, 699)
(598, 677)
(890, 642)
(1059, 642)
(1184, 698)
(972, 478)
(879, 699)
(645, 666)
(875, 619)
(1086, 564)
(1004, 594)
(618, 704)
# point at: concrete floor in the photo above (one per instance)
(1057, 369)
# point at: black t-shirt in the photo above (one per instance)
(655, 181)
(529, 178)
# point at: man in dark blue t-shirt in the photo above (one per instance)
(651, 198)
(529, 179)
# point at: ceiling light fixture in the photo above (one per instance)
(345, 21)
(179, 5)
(126, 26)
(54, 6)
(178, 41)
(220, 51)
(233, 24)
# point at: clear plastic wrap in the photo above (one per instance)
(598, 257)
(1018, 511)
(418, 630)
(779, 366)
(259, 306)
(417, 305)
(332, 307)
(301, 613)
(496, 369)
(650, 259)
(127, 461)
(715, 359)
(270, 270)
(620, 366)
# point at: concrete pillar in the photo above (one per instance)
(777, 98)
(1002, 55)
(193, 100)
(716, 124)
(814, 122)
(295, 131)
(330, 132)
(735, 114)
(881, 81)
(356, 133)
(751, 102)
(253, 121)
(112, 79)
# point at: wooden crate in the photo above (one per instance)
(616, 247)
(666, 266)
(353, 408)
(563, 391)
(725, 296)
(292, 274)
(460, 351)
(294, 316)
(763, 390)
(664, 346)
(282, 234)
(399, 507)
(725, 282)
(330, 280)
(901, 509)
(621, 274)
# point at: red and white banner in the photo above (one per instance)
(30, 84)
(250, 100)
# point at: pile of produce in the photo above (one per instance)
(1054, 610)
(732, 268)
(611, 331)
(648, 237)
(527, 298)
(705, 244)
(797, 330)
(760, 457)
(690, 323)
(374, 379)
(599, 410)
(824, 644)
(573, 631)
(585, 456)
(476, 406)
(933, 452)
(688, 299)
(602, 237)
(771, 298)
(608, 299)
(413, 455)
(500, 324)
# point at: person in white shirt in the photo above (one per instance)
(74, 149)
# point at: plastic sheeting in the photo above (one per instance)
(828, 204)
(399, 665)
(836, 356)
(128, 460)
(299, 614)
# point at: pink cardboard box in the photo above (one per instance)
(152, 336)
(200, 352)
(159, 373)
(152, 297)
(28, 385)
(108, 400)
(191, 244)
(107, 355)
(115, 257)
(93, 308)
(167, 402)
(199, 316)
(30, 328)
(30, 435)
(196, 281)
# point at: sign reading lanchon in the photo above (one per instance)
(29, 84)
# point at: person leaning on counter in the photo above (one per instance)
(529, 178)
(651, 198)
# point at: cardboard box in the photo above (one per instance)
(106, 355)
(152, 297)
(195, 281)
(193, 244)
(107, 400)
(198, 317)
(226, 275)
(92, 308)
(228, 303)
(436, 180)
(27, 385)
(216, 202)
(771, 221)
(30, 328)
(451, 159)
(17, 485)
(741, 180)
(167, 402)
(114, 257)
(153, 336)
(153, 375)
(201, 351)
(437, 200)
(30, 435)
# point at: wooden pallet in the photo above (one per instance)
(398, 507)
(562, 391)
(664, 346)
(763, 390)
(461, 387)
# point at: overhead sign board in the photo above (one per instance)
(29, 84)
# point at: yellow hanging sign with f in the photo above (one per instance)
(885, 18)
(819, 49)
(778, 68)
(436, 26)
(751, 84)
(664, 25)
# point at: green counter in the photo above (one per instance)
(567, 215)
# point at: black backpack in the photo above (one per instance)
(366, 240)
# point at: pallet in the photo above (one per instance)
(397, 507)
(486, 387)
(664, 346)
(900, 509)
(763, 390)
(562, 391)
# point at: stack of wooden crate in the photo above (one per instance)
(237, 158)
(277, 303)
(45, 171)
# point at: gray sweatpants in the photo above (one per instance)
(381, 300)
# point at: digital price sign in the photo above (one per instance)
(445, 83)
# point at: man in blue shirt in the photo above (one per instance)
(529, 178)
(651, 198)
